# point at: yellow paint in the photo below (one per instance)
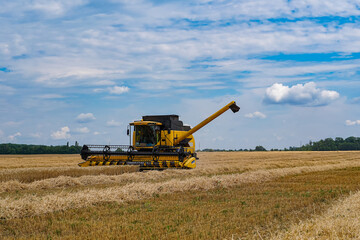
(190, 163)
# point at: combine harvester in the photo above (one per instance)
(158, 142)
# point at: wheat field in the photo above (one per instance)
(230, 195)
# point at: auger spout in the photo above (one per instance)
(232, 105)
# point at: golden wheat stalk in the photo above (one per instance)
(341, 221)
(33, 174)
(30, 205)
(124, 175)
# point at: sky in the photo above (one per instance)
(80, 70)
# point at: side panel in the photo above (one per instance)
(191, 142)
(190, 163)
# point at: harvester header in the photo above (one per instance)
(156, 142)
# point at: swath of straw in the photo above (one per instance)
(30, 205)
(92, 180)
(33, 174)
(341, 221)
(126, 174)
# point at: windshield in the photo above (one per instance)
(146, 136)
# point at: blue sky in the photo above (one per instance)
(78, 70)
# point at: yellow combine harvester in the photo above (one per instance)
(158, 142)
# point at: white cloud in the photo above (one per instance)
(63, 133)
(13, 123)
(355, 100)
(112, 90)
(352, 123)
(96, 133)
(12, 137)
(118, 90)
(98, 90)
(150, 53)
(299, 94)
(113, 123)
(218, 139)
(35, 135)
(103, 83)
(55, 7)
(50, 7)
(50, 96)
(82, 130)
(6, 90)
(255, 115)
(102, 52)
(85, 117)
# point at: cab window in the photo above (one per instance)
(146, 136)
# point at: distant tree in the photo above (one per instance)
(9, 148)
(339, 140)
(351, 139)
(260, 148)
(329, 144)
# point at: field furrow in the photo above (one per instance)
(30, 204)
(28, 175)
(340, 221)
(230, 195)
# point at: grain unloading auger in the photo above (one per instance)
(158, 142)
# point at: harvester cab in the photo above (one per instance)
(156, 142)
(146, 134)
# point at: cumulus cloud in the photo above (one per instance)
(299, 94)
(35, 135)
(113, 123)
(13, 123)
(216, 47)
(6, 90)
(85, 117)
(352, 123)
(63, 133)
(55, 7)
(12, 137)
(218, 139)
(82, 130)
(255, 115)
(355, 100)
(104, 82)
(118, 90)
(50, 96)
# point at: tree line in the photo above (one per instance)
(10, 148)
(327, 144)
